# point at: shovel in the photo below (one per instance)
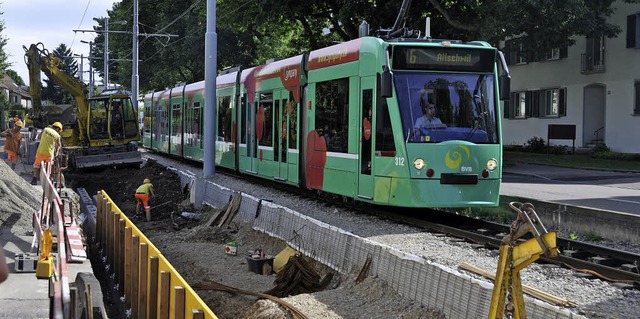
(165, 203)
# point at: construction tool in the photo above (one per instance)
(165, 203)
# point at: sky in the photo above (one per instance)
(51, 22)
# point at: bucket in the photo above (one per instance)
(260, 266)
(231, 248)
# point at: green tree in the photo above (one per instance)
(53, 92)
(4, 63)
(15, 77)
(250, 32)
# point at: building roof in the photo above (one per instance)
(8, 83)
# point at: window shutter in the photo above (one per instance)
(564, 52)
(632, 20)
(562, 110)
(535, 104)
(505, 107)
(528, 103)
(590, 44)
(507, 51)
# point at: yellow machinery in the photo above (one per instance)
(99, 131)
(507, 299)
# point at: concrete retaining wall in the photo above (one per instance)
(456, 294)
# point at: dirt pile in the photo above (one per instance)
(18, 201)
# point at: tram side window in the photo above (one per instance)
(243, 120)
(292, 110)
(385, 145)
(264, 117)
(224, 118)
(147, 117)
(176, 120)
(332, 114)
(197, 128)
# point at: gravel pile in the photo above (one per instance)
(18, 201)
(594, 298)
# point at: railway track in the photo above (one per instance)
(591, 260)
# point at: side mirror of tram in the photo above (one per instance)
(505, 86)
(386, 83)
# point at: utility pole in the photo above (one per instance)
(134, 66)
(210, 55)
(90, 58)
(106, 54)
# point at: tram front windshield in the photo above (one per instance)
(438, 107)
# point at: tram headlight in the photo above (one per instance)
(492, 164)
(419, 164)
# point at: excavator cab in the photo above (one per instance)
(112, 118)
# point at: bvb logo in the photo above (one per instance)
(454, 156)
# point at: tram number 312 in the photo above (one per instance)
(399, 161)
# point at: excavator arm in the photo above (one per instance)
(37, 114)
(39, 59)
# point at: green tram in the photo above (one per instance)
(404, 122)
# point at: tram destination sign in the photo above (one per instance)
(443, 59)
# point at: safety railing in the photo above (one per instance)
(150, 286)
(50, 215)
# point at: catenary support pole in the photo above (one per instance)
(134, 50)
(210, 65)
(105, 80)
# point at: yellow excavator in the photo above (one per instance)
(99, 131)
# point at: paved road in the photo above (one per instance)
(606, 190)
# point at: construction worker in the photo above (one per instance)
(143, 193)
(50, 144)
(12, 143)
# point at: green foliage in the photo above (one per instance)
(53, 92)
(249, 32)
(501, 214)
(4, 63)
(577, 160)
(15, 77)
(536, 145)
(589, 236)
(573, 236)
(599, 148)
(616, 156)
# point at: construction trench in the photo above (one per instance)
(362, 277)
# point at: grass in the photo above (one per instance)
(569, 160)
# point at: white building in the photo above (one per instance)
(14, 93)
(594, 85)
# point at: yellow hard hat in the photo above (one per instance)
(19, 123)
(146, 180)
(57, 124)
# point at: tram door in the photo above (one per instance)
(365, 167)
(251, 137)
(280, 144)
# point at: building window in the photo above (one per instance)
(636, 86)
(520, 105)
(593, 58)
(550, 102)
(633, 31)
(553, 54)
(538, 104)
